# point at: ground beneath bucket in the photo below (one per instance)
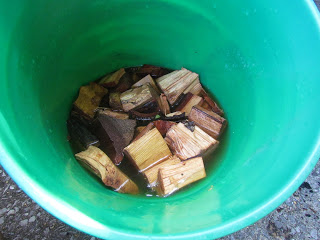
(296, 218)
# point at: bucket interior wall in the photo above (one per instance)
(254, 66)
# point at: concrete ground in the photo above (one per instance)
(296, 219)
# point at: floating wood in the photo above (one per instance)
(209, 102)
(163, 126)
(209, 121)
(187, 144)
(101, 165)
(112, 79)
(152, 173)
(80, 135)
(147, 151)
(137, 97)
(174, 84)
(120, 132)
(188, 102)
(163, 104)
(151, 70)
(174, 177)
(145, 80)
(114, 101)
(89, 98)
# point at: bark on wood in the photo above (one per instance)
(100, 164)
(144, 131)
(89, 98)
(174, 177)
(147, 151)
(124, 84)
(163, 126)
(154, 71)
(112, 79)
(120, 131)
(80, 134)
(208, 121)
(187, 144)
(208, 101)
(188, 102)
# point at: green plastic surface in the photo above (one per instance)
(260, 59)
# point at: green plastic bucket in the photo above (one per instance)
(260, 59)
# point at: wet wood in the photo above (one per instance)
(209, 121)
(163, 126)
(89, 98)
(101, 165)
(209, 102)
(144, 131)
(145, 80)
(187, 144)
(114, 101)
(120, 132)
(188, 102)
(137, 97)
(151, 70)
(151, 174)
(174, 84)
(81, 135)
(174, 177)
(147, 151)
(124, 84)
(163, 104)
(112, 79)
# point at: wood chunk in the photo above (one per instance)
(120, 131)
(81, 135)
(100, 164)
(144, 131)
(137, 97)
(194, 88)
(114, 114)
(82, 118)
(89, 98)
(114, 101)
(147, 151)
(163, 104)
(149, 107)
(188, 102)
(152, 173)
(124, 84)
(137, 131)
(174, 177)
(175, 116)
(187, 144)
(209, 121)
(145, 80)
(174, 84)
(163, 126)
(154, 71)
(112, 80)
(104, 101)
(213, 105)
